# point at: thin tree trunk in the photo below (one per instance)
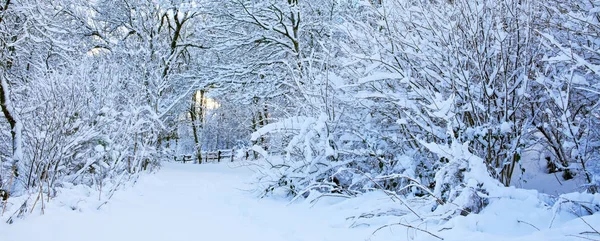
(15, 129)
(196, 115)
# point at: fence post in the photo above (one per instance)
(219, 156)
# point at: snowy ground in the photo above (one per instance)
(211, 202)
(183, 202)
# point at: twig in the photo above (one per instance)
(557, 179)
(519, 221)
(18, 212)
(581, 237)
(419, 185)
(415, 184)
(42, 196)
(580, 217)
(553, 217)
(35, 202)
(408, 226)
(589, 225)
(392, 196)
(444, 229)
(314, 201)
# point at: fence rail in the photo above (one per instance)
(210, 156)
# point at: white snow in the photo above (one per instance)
(381, 76)
(215, 202)
(181, 202)
(291, 123)
(506, 127)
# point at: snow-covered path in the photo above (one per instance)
(211, 203)
(187, 202)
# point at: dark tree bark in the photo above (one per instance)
(196, 115)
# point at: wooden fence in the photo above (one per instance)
(210, 156)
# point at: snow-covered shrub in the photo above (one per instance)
(436, 99)
(579, 204)
(79, 132)
(569, 96)
(306, 161)
(464, 181)
(78, 113)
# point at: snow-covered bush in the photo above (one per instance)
(80, 110)
(569, 88)
(407, 79)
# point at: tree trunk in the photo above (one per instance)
(196, 115)
(15, 132)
